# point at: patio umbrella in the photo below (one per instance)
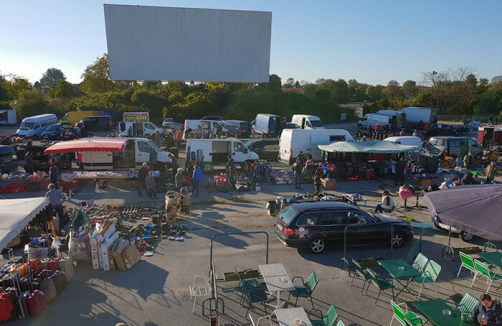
(474, 209)
(89, 145)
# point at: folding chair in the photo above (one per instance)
(483, 270)
(405, 318)
(429, 276)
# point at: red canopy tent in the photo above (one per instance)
(88, 145)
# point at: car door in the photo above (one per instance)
(338, 221)
(364, 229)
(313, 224)
(143, 153)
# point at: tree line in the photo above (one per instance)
(457, 92)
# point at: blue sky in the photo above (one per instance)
(367, 40)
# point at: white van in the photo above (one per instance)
(138, 129)
(398, 119)
(137, 151)
(33, 127)
(204, 124)
(372, 119)
(307, 121)
(216, 151)
(408, 141)
(295, 140)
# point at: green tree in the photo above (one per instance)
(4, 94)
(51, 77)
(97, 78)
(63, 89)
(31, 102)
(409, 89)
(16, 86)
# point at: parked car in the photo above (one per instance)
(212, 117)
(321, 224)
(98, 123)
(456, 147)
(57, 131)
(8, 158)
(292, 125)
(267, 149)
(466, 236)
(41, 161)
(170, 124)
(237, 128)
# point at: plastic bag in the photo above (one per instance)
(79, 249)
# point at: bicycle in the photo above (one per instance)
(210, 184)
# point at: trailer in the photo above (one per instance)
(489, 135)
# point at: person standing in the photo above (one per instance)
(53, 175)
(179, 136)
(317, 182)
(469, 161)
(196, 178)
(400, 169)
(129, 131)
(491, 171)
(487, 312)
(231, 168)
(28, 163)
(179, 179)
(297, 172)
(387, 204)
(150, 186)
(302, 158)
(490, 120)
(142, 174)
(56, 199)
(174, 162)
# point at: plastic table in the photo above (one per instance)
(292, 317)
(494, 258)
(399, 269)
(277, 279)
(420, 226)
(433, 311)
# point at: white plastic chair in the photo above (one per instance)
(200, 287)
(260, 319)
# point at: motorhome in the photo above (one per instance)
(216, 151)
(295, 140)
(138, 129)
(33, 127)
(307, 121)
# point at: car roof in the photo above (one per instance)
(322, 205)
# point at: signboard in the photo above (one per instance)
(136, 117)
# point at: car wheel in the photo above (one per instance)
(466, 236)
(358, 133)
(397, 239)
(317, 245)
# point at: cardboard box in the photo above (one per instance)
(104, 257)
(119, 261)
(117, 249)
(329, 184)
(131, 256)
(424, 182)
(111, 261)
(100, 242)
(94, 253)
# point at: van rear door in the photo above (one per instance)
(143, 150)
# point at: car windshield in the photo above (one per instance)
(248, 143)
(316, 123)
(288, 214)
(26, 125)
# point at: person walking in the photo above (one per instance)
(53, 175)
(142, 174)
(231, 169)
(174, 162)
(179, 136)
(317, 182)
(491, 171)
(387, 204)
(469, 161)
(196, 178)
(400, 169)
(56, 199)
(297, 172)
(150, 186)
(179, 179)
(28, 163)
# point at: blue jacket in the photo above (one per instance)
(197, 175)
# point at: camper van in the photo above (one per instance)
(137, 151)
(295, 140)
(138, 129)
(33, 127)
(8, 117)
(307, 121)
(374, 118)
(216, 151)
(205, 125)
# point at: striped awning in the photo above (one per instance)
(370, 147)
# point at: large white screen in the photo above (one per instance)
(181, 44)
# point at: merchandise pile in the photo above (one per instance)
(283, 177)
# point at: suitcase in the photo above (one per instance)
(45, 274)
(14, 300)
(66, 265)
(25, 284)
(44, 264)
(34, 264)
(23, 304)
(5, 307)
(22, 269)
(35, 284)
(48, 288)
(36, 303)
(54, 264)
(10, 280)
(59, 281)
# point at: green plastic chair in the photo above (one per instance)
(340, 323)
(306, 290)
(260, 319)
(467, 304)
(404, 317)
(360, 273)
(420, 262)
(429, 276)
(328, 320)
(380, 284)
(467, 262)
(483, 270)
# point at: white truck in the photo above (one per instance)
(306, 121)
(398, 118)
(295, 140)
(374, 118)
(205, 125)
(137, 151)
(415, 114)
(216, 151)
(138, 129)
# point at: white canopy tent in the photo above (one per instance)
(15, 214)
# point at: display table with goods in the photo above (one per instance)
(19, 183)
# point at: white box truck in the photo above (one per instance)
(295, 140)
(216, 151)
(137, 151)
(306, 121)
(372, 119)
(415, 114)
(398, 118)
(138, 129)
